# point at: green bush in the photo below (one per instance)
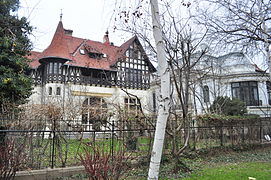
(228, 106)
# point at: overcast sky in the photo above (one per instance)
(87, 18)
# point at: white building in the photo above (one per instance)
(233, 75)
(76, 74)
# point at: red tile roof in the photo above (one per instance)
(68, 47)
(34, 57)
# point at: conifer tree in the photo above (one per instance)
(15, 85)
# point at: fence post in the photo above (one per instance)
(53, 144)
(243, 137)
(221, 135)
(112, 139)
(94, 138)
(194, 137)
(261, 131)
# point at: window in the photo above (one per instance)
(134, 71)
(95, 55)
(94, 113)
(133, 75)
(58, 91)
(268, 87)
(82, 51)
(134, 53)
(246, 91)
(132, 105)
(206, 96)
(50, 68)
(50, 91)
(54, 68)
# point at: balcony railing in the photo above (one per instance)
(87, 80)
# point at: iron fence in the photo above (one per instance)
(60, 148)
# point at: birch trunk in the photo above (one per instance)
(164, 99)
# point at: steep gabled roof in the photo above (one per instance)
(65, 46)
(124, 47)
(34, 57)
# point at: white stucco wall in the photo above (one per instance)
(72, 97)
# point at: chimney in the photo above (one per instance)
(106, 38)
(68, 32)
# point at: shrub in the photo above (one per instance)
(227, 106)
(12, 157)
(101, 164)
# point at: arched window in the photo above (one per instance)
(206, 96)
(58, 91)
(94, 114)
(50, 91)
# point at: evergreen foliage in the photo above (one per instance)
(228, 106)
(15, 85)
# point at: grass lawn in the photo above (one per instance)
(68, 151)
(236, 171)
(237, 163)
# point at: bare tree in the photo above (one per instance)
(238, 24)
(183, 51)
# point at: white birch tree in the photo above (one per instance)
(164, 101)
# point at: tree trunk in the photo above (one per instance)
(164, 101)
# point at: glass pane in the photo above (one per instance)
(132, 101)
(50, 90)
(55, 68)
(255, 97)
(104, 105)
(85, 102)
(58, 91)
(253, 83)
(236, 93)
(84, 118)
(59, 68)
(206, 94)
(245, 95)
(51, 67)
(235, 84)
(244, 83)
(126, 100)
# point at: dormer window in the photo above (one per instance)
(82, 51)
(95, 55)
(93, 52)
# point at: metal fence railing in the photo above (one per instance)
(37, 149)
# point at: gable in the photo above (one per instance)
(135, 54)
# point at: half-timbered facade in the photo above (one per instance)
(73, 70)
